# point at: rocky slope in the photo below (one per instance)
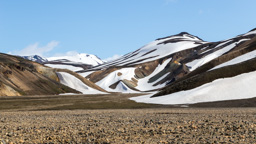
(130, 126)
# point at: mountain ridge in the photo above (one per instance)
(76, 62)
(156, 72)
(35, 58)
(237, 58)
(19, 77)
(168, 66)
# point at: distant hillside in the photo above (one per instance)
(22, 77)
(74, 62)
(19, 76)
(35, 58)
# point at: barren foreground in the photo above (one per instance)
(237, 125)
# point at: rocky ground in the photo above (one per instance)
(188, 125)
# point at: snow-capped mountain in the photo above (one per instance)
(74, 62)
(148, 68)
(181, 62)
(157, 49)
(35, 58)
(179, 69)
(79, 58)
(225, 70)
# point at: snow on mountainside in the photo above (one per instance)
(78, 59)
(164, 62)
(226, 70)
(73, 62)
(238, 87)
(141, 63)
(155, 50)
(73, 82)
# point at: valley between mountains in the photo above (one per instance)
(181, 70)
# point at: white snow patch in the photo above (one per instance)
(126, 73)
(121, 87)
(238, 87)
(241, 40)
(74, 83)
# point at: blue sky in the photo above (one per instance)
(115, 27)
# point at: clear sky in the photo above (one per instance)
(115, 27)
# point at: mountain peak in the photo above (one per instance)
(35, 58)
(182, 35)
(189, 35)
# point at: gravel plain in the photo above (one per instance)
(172, 125)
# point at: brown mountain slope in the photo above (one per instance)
(22, 77)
